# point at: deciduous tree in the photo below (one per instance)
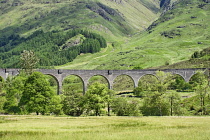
(96, 98)
(202, 89)
(174, 101)
(156, 104)
(28, 61)
(72, 102)
(14, 88)
(37, 94)
(126, 107)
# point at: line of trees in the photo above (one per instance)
(32, 93)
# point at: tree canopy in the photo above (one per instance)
(36, 94)
(52, 48)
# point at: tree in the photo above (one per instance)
(155, 102)
(138, 91)
(37, 94)
(96, 98)
(174, 101)
(72, 102)
(28, 61)
(2, 95)
(109, 100)
(164, 80)
(72, 96)
(14, 88)
(202, 89)
(179, 84)
(55, 105)
(146, 84)
(126, 107)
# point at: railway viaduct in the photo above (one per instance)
(109, 75)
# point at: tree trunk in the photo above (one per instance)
(201, 103)
(171, 107)
(204, 109)
(108, 109)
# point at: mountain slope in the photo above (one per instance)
(199, 59)
(174, 37)
(21, 20)
(110, 17)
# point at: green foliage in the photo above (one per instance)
(146, 84)
(98, 79)
(179, 84)
(164, 80)
(155, 105)
(202, 89)
(137, 68)
(193, 105)
(2, 95)
(37, 94)
(28, 61)
(175, 103)
(51, 48)
(72, 96)
(14, 87)
(72, 84)
(72, 102)
(96, 98)
(126, 107)
(2, 102)
(55, 105)
(123, 83)
(198, 79)
(25, 94)
(138, 91)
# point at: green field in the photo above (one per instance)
(95, 128)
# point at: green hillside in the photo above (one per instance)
(20, 20)
(199, 59)
(110, 18)
(173, 38)
(134, 39)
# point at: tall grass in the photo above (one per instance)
(94, 128)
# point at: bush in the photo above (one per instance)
(126, 107)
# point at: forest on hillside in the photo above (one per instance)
(53, 48)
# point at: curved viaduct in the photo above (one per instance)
(110, 75)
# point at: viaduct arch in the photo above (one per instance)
(110, 75)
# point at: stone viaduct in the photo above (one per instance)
(109, 75)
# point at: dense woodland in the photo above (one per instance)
(52, 48)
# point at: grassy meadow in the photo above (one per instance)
(95, 128)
